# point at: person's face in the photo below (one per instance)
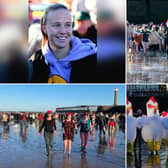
(86, 117)
(69, 117)
(82, 26)
(49, 114)
(58, 28)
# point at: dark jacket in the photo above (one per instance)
(101, 121)
(83, 70)
(48, 126)
(90, 34)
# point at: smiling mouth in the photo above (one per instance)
(61, 38)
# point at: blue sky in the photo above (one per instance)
(48, 97)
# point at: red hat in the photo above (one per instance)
(70, 114)
(164, 114)
(49, 111)
(152, 99)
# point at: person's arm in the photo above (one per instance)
(75, 125)
(104, 121)
(63, 124)
(40, 70)
(90, 125)
(79, 123)
(55, 127)
(42, 126)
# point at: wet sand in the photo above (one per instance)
(143, 158)
(147, 68)
(22, 148)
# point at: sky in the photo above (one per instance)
(41, 98)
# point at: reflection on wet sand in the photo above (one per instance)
(83, 163)
(20, 141)
(147, 68)
(49, 162)
(23, 130)
(153, 161)
(143, 158)
(102, 145)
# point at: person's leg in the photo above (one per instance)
(144, 46)
(82, 140)
(156, 47)
(110, 129)
(51, 140)
(104, 130)
(5, 124)
(65, 146)
(93, 124)
(40, 123)
(46, 137)
(131, 44)
(137, 47)
(86, 137)
(140, 46)
(69, 146)
(100, 130)
(160, 45)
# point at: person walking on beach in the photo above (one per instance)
(154, 39)
(111, 125)
(68, 127)
(145, 38)
(5, 119)
(85, 128)
(137, 38)
(48, 125)
(101, 123)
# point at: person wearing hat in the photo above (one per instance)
(63, 57)
(49, 128)
(68, 127)
(85, 128)
(84, 28)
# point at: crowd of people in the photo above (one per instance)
(71, 122)
(148, 37)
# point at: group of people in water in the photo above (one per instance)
(70, 124)
(148, 37)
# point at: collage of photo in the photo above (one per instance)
(84, 84)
